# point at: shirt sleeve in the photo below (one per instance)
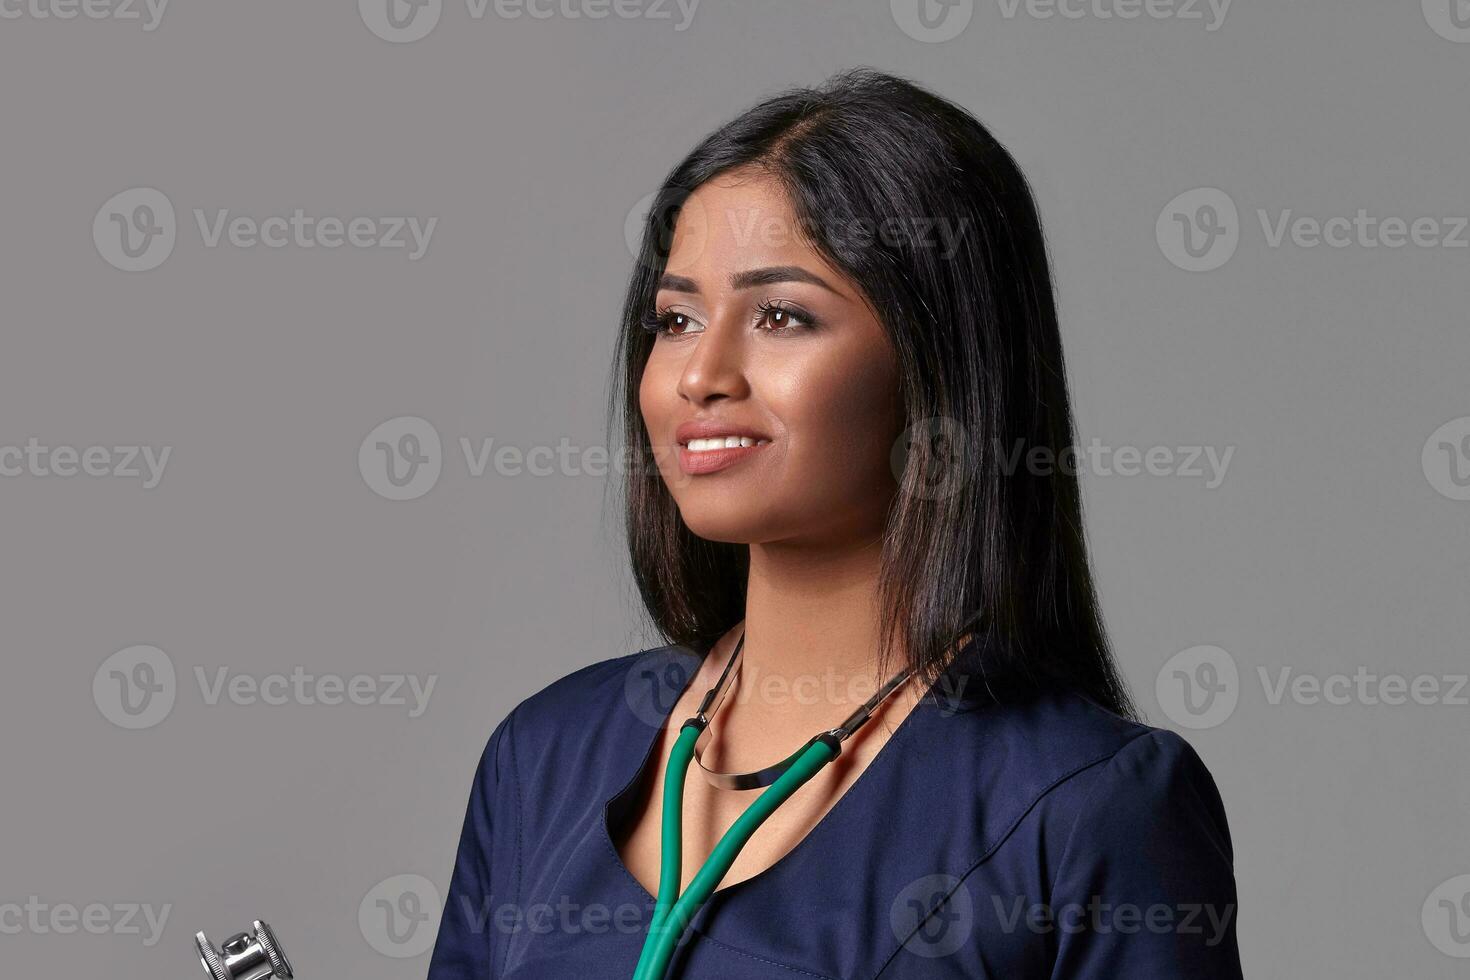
(463, 949)
(1145, 888)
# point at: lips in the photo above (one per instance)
(696, 461)
(708, 457)
(716, 429)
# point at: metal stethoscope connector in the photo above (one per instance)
(245, 957)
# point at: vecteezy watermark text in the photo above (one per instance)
(1125, 918)
(136, 230)
(137, 687)
(405, 21)
(1209, 12)
(403, 458)
(1101, 460)
(934, 21)
(150, 12)
(35, 459)
(300, 687)
(1201, 686)
(39, 918)
(1200, 229)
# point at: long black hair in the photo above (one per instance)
(912, 198)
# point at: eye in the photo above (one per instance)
(783, 318)
(670, 322)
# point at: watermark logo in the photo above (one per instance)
(136, 687)
(1199, 230)
(945, 235)
(1365, 687)
(122, 462)
(303, 688)
(941, 20)
(400, 21)
(635, 221)
(933, 916)
(135, 229)
(690, 216)
(1211, 922)
(1210, 12)
(656, 679)
(563, 916)
(1198, 687)
(397, 916)
(1446, 459)
(1450, 19)
(932, 21)
(936, 457)
(149, 12)
(930, 459)
(402, 458)
(405, 21)
(37, 917)
(1446, 917)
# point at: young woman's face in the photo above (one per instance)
(762, 337)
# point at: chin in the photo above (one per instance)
(732, 518)
(724, 526)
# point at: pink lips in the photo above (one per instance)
(712, 460)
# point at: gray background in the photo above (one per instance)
(1329, 547)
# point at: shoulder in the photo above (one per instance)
(607, 686)
(1126, 804)
(1077, 767)
(594, 705)
(1038, 738)
(1152, 798)
(1128, 772)
(1139, 864)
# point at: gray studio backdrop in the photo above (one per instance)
(248, 671)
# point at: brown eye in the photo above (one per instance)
(783, 319)
(680, 324)
(669, 322)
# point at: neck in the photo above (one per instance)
(812, 627)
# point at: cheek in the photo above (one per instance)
(841, 419)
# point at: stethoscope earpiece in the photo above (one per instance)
(244, 956)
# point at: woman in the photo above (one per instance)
(841, 352)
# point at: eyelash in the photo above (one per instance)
(657, 321)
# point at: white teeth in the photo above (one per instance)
(722, 442)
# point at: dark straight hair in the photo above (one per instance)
(912, 198)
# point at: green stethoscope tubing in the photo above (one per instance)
(673, 912)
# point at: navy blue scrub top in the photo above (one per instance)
(1035, 836)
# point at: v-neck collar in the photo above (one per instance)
(946, 696)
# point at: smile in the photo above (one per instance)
(722, 442)
(709, 455)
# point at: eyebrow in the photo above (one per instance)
(748, 278)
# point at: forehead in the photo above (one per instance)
(738, 220)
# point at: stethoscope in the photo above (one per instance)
(244, 956)
(672, 911)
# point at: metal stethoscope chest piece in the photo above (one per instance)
(245, 956)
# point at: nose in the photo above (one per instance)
(715, 365)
